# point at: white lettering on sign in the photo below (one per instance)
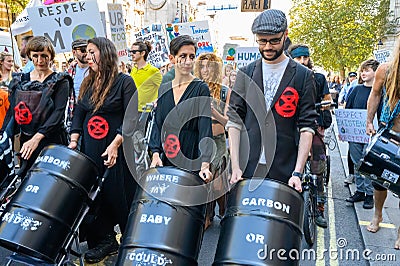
(147, 259)
(267, 203)
(163, 177)
(55, 161)
(32, 189)
(26, 222)
(154, 219)
(257, 238)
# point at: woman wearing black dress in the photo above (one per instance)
(103, 98)
(38, 100)
(183, 116)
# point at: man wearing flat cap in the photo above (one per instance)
(79, 69)
(345, 91)
(272, 109)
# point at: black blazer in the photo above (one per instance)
(293, 108)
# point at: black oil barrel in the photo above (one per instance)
(258, 221)
(39, 219)
(162, 229)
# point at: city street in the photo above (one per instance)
(346, 240)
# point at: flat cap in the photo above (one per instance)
(269, 22)
(352, 74)
(79, 43)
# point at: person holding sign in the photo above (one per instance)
(147, 77)
(358, 100)
(282, 93)
(386, 85)
(103, 99)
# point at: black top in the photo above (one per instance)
(292, 108)
(61, 84)
(179, 129)
(99, 129)
(321, 86)
(358, 97)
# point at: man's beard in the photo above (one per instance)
(82, 60)
(278, 53)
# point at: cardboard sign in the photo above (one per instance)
(158, 56)
(117, 29)
(66, 22)
(382, 56)
(255, 5)
(352, 124)
(198, 30)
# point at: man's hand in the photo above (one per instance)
(205, 172)
(295, 182)
(370, 129)
(236, 175)
(156, 160)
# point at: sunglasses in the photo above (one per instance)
(134, 51)
(83, 50)
(274, 41)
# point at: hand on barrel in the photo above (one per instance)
(29, 147)
(295, 182)
(111, 155)
(236, 175)
(205, 172)
(370, 129)
(156, 160)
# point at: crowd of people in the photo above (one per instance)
(200, 103)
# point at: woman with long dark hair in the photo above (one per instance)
(103, 98)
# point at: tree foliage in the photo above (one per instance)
(341, 33)
(16, 6)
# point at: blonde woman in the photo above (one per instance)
(227, 71)
(208, 68)
(6, 67)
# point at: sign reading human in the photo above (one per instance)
(198, 30)
(117, 29)
(63, 23)
(246, 55)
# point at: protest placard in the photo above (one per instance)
(255, 5)
(117, 30)
(246, 55)
(382, 56)
(66, 22)
(351, 124)
(198, 30)
(158, 56)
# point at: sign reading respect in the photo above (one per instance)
(352, 124)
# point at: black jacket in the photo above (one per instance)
(293, 108)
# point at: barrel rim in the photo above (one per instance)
(283, 184)
(67, 179)
(174, 169)
(79, 153)
(32, 254)
(158, 248)
(267, 217)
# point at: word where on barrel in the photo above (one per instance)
(154, 219)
